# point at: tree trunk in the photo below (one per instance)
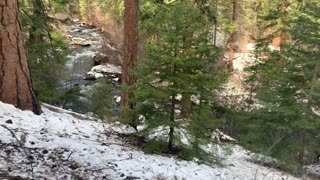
(15, 80)
(283, 31)
(302, 148)
(216, 25)
(232, 39)
(172, 119)
(130, 53)
(186, 106)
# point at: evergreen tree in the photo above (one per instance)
(288, 90)
(15, 81)
(130, 56)
(101, 100)
(232, 35)
(178, 63)
(46, 50)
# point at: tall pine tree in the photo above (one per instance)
(15, 80)
(178, 63)
(288, 90)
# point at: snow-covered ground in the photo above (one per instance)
(64, 145)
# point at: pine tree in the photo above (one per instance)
(46, 50)
(178, 63)
(232, 35)
(288, 90)
(15, 81)
(130, 56)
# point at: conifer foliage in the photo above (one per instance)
(46, 49)
(288, 90)
(178, 63)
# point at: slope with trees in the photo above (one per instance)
(288, 90)
(174, 79)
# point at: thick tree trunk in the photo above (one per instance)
(232, 39)
(130, 53)
(15, 80)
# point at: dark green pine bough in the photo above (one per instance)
(287, 126)
(179, 62)
(46, 49)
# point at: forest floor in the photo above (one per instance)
(60, 144)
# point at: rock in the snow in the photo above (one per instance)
(219, 137)
(9, 121)
(74, 166)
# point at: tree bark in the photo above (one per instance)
(15, 80)
(283, 31)
(130, 53)
(232, 39)
(215, 25)
(186, 106)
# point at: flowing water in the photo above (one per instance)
(89, 46)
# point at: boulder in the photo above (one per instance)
(107, 70)
(80, 42)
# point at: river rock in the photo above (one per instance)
(107, 68)
(100, 71)
(80, 41)
(100, 58)
(93, 75)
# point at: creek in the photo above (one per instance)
(93, 56)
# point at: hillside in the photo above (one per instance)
(64, 145)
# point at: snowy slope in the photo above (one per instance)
(57, 145)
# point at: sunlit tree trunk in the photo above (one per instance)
(283, 31)
(130, 53)
(215, 25)
(15, 81)
(232, 38)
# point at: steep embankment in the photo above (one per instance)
(58, 145)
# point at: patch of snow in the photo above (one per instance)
(316, 111)
(94, 74)
(313, 170)
(112, 48)
(100, 71)
(117, 99)
(252, 47)
(195, 99)
(220, 136)
(58, 145)
(107, 68)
